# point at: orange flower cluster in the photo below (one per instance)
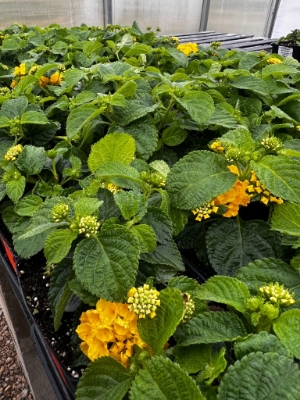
(256, 187)
(109, 330)
(234, 198)
(55, 79)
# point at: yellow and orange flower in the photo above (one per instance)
(256, 187)
(234, 198)
(109, 330)
(55, 79)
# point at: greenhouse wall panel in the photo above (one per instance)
(243, 16)
(39, 12)
(172, 17)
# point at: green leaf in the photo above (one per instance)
(34, 117)
(145, 135)
(41, 228)
(107, 265)
(199, 105)
(240, 138)
(104, 379)
(263, 342)
(58, 245)
(14, 107)
(261, 376)
(211, 327)
(174, 135)
(31, 160)
(146, 237)
(28, 205)
(73, 75)
(79, 117)
(222, 118)
(25, 83)
(226, 290)
(160, 223)
(185, 284)
(92, 47)
(286, 218)
(2, 191)
(137, 108)
(113, 147)
(165, 254)
(138, 48)
(286, 328)
(197, 178)
(15, 188)
(131, 204)
(157, 331)
(128, 89)
(193, 358)
(251, 83)
(87, 206)
(278, 70)
(280, 175)
(232, 244)
(59, 292)
(163, 380)
(120, 174)
(10, 44)
(261, 272)
(84, 295)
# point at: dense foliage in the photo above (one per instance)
(125, 158)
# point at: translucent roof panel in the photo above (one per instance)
(42, 13)
(242, 16)
(180, 16)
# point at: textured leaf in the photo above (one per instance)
(165, 254)
(28, 205)
(14, 107)
(251, 83)
(199, 105)
(280, 175)
(222, 118)
(157, 331)
(59, 292)
(31, 160)
(278, 70)
(145, 135)
(263, 342)
(104, 379)
(113, 147)
(137, 108)
(107, 265)
(232, 244)
(131, 204)
(286, 218)
(226, 290)
(15, 188)
(197, 178)
(261, 376)
(160, 223)
(34, 117)
(146, 237)
(58, 245)
(73, 75)
(84, 295)
(286, 328)
(211, 327)
(120, 174)
(41, 228)
(240, 138)
(174, 135)
(79, 117)
(184, 284)
(163, 380)
(261, 272)
(87, 206)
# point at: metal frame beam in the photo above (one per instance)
(107, 12)
(271, 18)
(204, 15)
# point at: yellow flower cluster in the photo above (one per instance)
(143, 301)
(204, 211)
(276, 293)
(189, 307)
(188, 48)
(175, 39)
(109, 330)
(55, 79)
(217, 147)
(257, 187)
(13, 152)
(274, 60)
(234, 198)
(20, 71)
(298, 127)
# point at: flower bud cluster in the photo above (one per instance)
(143, 301)
(189, 307)
(89, 225)
(60, 212)
(271, 143)
(257, 187)
(204, 211)
(233, 155)
(277, 294)
(153, 178)
(112, 187)
(274, 60)
(13, 152)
